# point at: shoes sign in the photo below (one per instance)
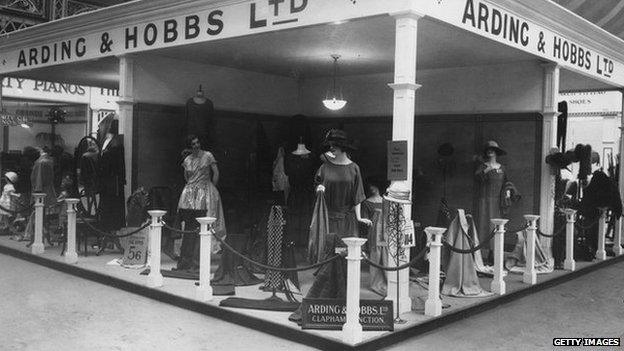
(330, 314)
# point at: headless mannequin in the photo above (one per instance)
(199, 97)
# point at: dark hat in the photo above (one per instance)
(446, 149)
(338, 138)
(493, 146)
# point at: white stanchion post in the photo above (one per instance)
(352, 329)
(617, 238)
(569, 264)
(601, 254)
(530, 274)
(37, 246)
(498, 283)
(71, 256)
(204, 290)
(433, 305)
(155, 278)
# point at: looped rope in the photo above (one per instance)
(472, 248)
(580, 226)
(557, 233)
(526, 226)
(272, 268)
(420, 255)
(180, 231)
(109, 235)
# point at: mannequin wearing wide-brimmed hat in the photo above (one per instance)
(340, 181)
(491, 177)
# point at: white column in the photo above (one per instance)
(570, 264)
(498, 283)
(433, 305)
(352, 329)
(37, 246)
(155, 278)
(549, 140)
(71, 256)
(403, 120)
(530, 274)
(204, 290)
(126, 106)
(601, 254)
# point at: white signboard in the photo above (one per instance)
(593, 102)
(214, 22)
(490, 21)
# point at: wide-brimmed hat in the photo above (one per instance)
(11, 176)
(491, 144)
(398, 193)
(338, 138)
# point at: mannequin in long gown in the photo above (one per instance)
(299, 167)
(199, 112)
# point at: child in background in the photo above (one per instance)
(6, 202)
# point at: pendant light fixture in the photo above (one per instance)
(334, 103)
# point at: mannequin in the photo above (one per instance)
(199, 112)
(112, 173)
(299, 167)
(491, 177)
(341, 182)
(199, 198)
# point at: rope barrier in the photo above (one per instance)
(561, 230)
(420, 255)
(472, 248)
(180, 231)
(272, 268)
(109, 235)
(526, 226)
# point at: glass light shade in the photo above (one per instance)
(334, 104)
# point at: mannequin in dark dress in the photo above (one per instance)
(199, 111)
(112, 181)
(299, 167)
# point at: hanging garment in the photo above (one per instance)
(461, 274)
(300, 171)
(199, 121)
(562, 125)
(319, 229)
(377, 245)
(515, 262)
(112, 175)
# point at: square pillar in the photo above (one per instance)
(126, 110)
(619, 224)
(549, 141)
(403, 121)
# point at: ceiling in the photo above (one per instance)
(607, 14)
(365, 46)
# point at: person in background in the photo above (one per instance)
(6, 202)
(372, 209)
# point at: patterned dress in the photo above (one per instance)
(488, 203)
(199, 193)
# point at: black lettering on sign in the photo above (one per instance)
(81, 47)
(171, 30)
(253, 22)
(296, 9)
(45, 54)
(214, 20)
(66, 50)
(150, 33)
(495, 22)
(275, 4)
(32, 56)
(191, 27)
(131, 37)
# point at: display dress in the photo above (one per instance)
(199, 198)
(377, 245)
(42, 181)
(489, 200)
(300, 172)
(199, 111)
(112, 175)
(343, 191)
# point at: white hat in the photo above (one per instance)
(11, 176)
(398, 193)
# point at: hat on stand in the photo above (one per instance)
(398, 193)
(301, 149)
